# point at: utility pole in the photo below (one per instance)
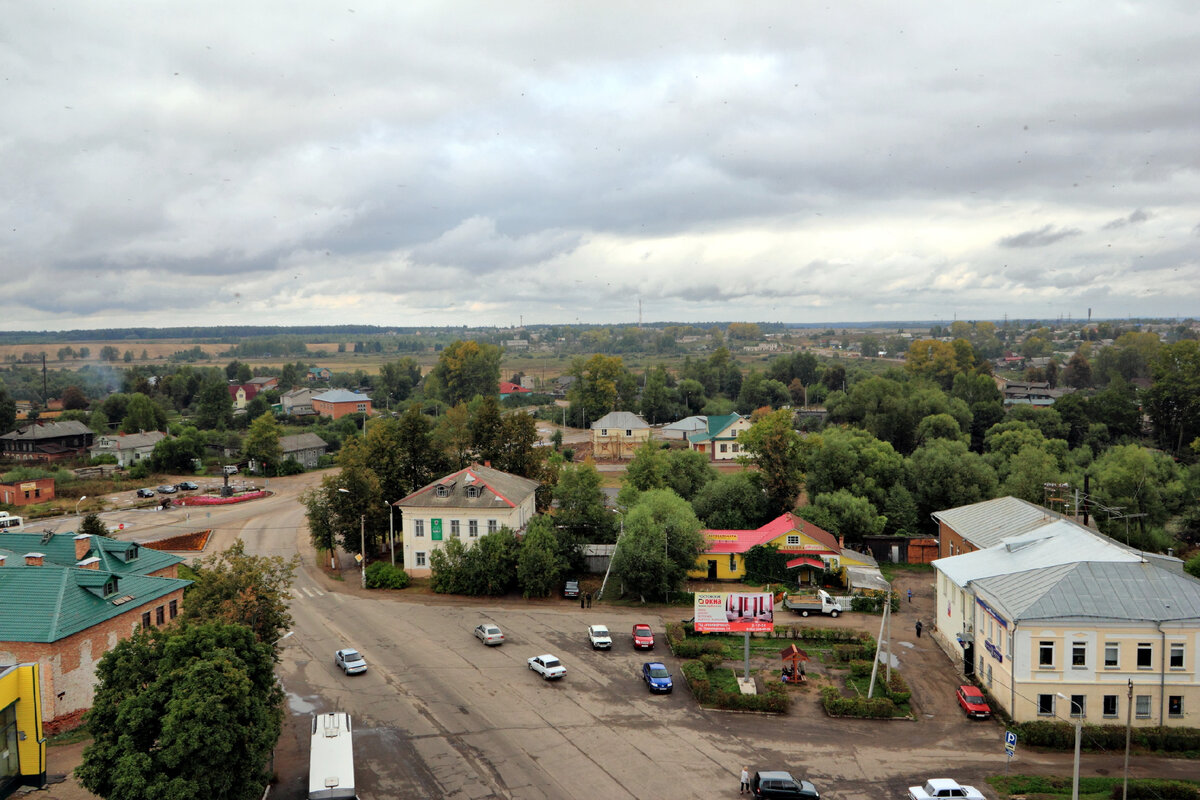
(1128, 730)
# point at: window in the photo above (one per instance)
(160, 615)
(793, 540)
(418, 528)
(1112, 655)
(734, 446)
(492, 527)
(1176, 657)
(174, 605)
(454, 529)
(1046, 705)
(724, 448)
(1046, 655)
(1175, 705)
(1078, 705)
(629, 433)
(1110, 705)
(1142, 706)
(989, 674)
(1145, 655)
(472, 491)
(420, 558)
(442, 491)
(604, 431)
(145, 619)
(473, 528)
(1078, 655)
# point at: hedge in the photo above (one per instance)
(838, 706)
(775, 701)
(1061, 736)
(1139, 788)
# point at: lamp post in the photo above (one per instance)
(392, 530)
(621, 533)
(362, 543)
(77, 502)
(1078, 734)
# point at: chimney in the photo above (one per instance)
(83, 545)
(89, 563)
(34, 559)
(487, 464)
(1, 560)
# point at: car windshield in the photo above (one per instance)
(642, 631)
(491, 630)
(551, 662)
(351, 655)
(659, 672)
(974, 697)
(600, 631)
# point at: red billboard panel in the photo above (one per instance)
(734, 612)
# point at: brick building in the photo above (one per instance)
(337, 403)
(27, 493)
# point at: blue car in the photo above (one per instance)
(655, 675)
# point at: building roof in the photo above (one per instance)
(50, 602)
(689, 424)
(262, 380)
(508, 387)
(620, 420)
(492, 489)
(301, 441)
(736, 541)
(341, 396)
(1095, 591)
(251, 389)
(128, 441)
(47, 430)
(115, 555)
(716, 426)
(292, 394)
(992, 521)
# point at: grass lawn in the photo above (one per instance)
(861, 685)
(1044, 787)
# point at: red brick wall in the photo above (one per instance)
(68, 666)
(13, 494)
(951, 544)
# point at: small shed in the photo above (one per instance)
(793, 664)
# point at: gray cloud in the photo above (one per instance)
(1041, 237)
(1134, 217)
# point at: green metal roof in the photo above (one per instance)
(715, 426)
(121, 557)
(50, 602)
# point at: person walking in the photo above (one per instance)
(919, 626)
(583, 599)
(910, 595)
(745, 781)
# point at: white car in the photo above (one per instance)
(489, 634)
(548, 666)
(944, 788)
(599, 637)
(350, 661)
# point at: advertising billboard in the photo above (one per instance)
(734, 612)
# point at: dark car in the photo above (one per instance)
(167, 488)
(187, 486)
(656, 676)
(571, 589)
(782, 784)
(972, 702)
(145, 493)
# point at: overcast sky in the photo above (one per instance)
(411, 163)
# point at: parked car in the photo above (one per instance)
(548, 666)
(571, 589)
(350, 661)
(599, 637)
(187, 486)
(167, 488)
(145, 493)
(776, 783)
(944, 788)
(656, 676)
(643, 637)
(972, 702)
(489, 634)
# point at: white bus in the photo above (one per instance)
(331, 760)
(10, 523)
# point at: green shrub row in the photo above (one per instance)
(1061, 736)
(874, 604)
(853, 652)
(382, 575)
(837, 706)
(775, 701)
(1155, 789)
(1139, 788)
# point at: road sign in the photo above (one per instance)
(1010, 743)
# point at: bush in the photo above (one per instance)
(1151, 789)
(853, 652)
(775, 701)
(290, 467)
(1061, 736)
(140, 470)
(382, 575)
(837, 706)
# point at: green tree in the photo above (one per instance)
(688, 471)
(853, 459)
(322, 521)
(181, 712)
(541, 563)
(178, 453)
(73, 399)
(944, 474)
(396, 381)
(603, 385)
(732, 501)
(241, 589)
(581, 517)
(92, 525)
(1078, 373)
(419, 461)
(141, 414)
(657, 400)
(262, 443)
(8, 411)
(940, 426)
(775, 447)
(464, 370)
(1027, 473)
(214, 406)
(660, 545)
(843, 514)
(648, 468)
(109, 353)
(519, 452)
(900, 510)
(1192, 566)
(487, 430)
(1137, 481)
(452, 436)
(1173, 402)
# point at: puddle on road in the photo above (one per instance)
(906, 644)
(300, 705)
(883, 659)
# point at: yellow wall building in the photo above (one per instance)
(22, 744)
(812, 550)
(618, 434)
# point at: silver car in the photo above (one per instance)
(350, 661)
(489, 634)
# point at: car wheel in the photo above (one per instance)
(804, 613)
(834, 614)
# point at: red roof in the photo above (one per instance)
(507, 387)
(250, 388)
(723, 541)
(806, 561)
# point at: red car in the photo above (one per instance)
(643, 637)
(972, 702)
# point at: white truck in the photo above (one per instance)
(331, 758)
(944, 789)
(818, 602)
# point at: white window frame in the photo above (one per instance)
(1178, 649)
(1178, 712)
(493, 526)
(1113, 649)
(1043, 647)
(1148, 649)
(418, 528)
(1141, 708)
(454, 529)
(793, 539)
(1115, 701)
(1078, 707)
(1041, 700)
(419, 558)
(441, 491)
(473, 528)
(1079, 653)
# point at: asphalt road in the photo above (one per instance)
(438, 714)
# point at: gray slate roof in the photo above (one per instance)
(990, 522)
(620, 420)
(341, 396)
(301, 441)
(129, 441)
(496, 490)
(1096, 591)
(47, 430)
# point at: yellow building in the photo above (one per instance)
(812, 549)
(1063, 624)
(618, 434)
(22, 745)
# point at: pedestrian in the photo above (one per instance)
(583, 599)
(745, 781)
(589, 599)
(910, 595)
(919, 626)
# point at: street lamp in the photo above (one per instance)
(77, 502)
(392, 530)
(362, 546)
(621, 533)
(1078, 734)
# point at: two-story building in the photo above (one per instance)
(47, 441)
(463, 505)
(337, 403)
(242, 394)
(718, 440)
(127, 448)
(618, 434)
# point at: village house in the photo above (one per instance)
(47, 441)
(305, 449)
(337, 403)
(719, 438)
(618, 434)
(297, 402)
(127, 448)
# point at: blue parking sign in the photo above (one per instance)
(1010, 743)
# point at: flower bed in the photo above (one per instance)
(211, 500)
(186, 541)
